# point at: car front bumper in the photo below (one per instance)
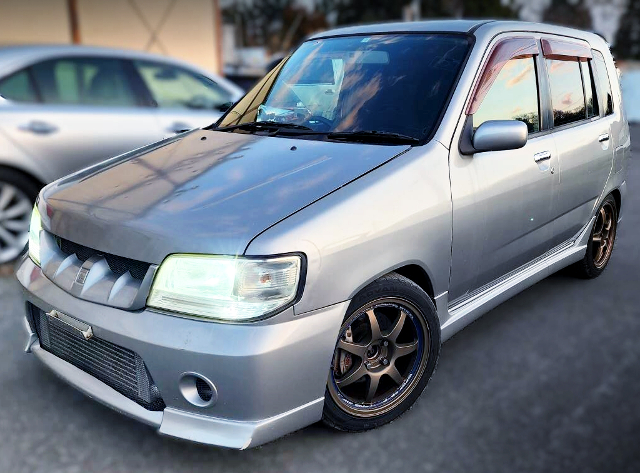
(270, 376)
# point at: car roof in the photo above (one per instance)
(454, 26)
(13, 52)
(479, 28)
(16, 57)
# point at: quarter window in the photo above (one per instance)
(84, 81)
(567, 94)
(604, 85)
(512, 96)
(173, 87)
(589, 89)
(18, 87)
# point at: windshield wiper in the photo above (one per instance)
(267, 125)
(373, 136)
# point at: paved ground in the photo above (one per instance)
(547, 382)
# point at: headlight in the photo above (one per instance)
(34, 235)
(225, 287)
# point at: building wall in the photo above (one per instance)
(34, 21)
(186, 29)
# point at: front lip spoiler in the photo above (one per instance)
(181, 424)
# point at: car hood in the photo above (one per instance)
(206, 192)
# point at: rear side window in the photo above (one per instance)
(567, 94)
(604, 85)
(173, 87)
(512, 96)
(84, 81)
(18, 87)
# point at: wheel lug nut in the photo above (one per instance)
(385, 362)
(385, 343)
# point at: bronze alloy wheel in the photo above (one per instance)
(604, 235)
(380, 356)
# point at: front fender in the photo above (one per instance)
(397, 214)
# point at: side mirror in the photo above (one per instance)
(500, 135)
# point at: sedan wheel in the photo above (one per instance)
(15, 214)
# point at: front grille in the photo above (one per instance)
(116, 366)
(118, 264)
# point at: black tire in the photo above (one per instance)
(592, 266)
(21, 180)
(396, 287)
(25, 184)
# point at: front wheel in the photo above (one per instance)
(386, 352)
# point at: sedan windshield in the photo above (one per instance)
(378, 87)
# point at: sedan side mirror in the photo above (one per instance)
(500, 135)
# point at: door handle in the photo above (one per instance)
(39, 127)
(604, 137)
(179, 127)
(542, 156)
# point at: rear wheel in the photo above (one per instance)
(601, 241)
(385, 354)
(17, 195)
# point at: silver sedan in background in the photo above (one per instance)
(63, 108)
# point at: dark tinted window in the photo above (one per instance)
(173, 87)
(567, 95)
(18, 87)
(395, 83)
(604, 85)
(589, 89)
(512, 96)
(84, 81)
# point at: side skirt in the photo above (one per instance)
(466, 309)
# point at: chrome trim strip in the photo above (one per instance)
(468, 308)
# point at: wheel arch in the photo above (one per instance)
(617, 195)
(27, 174)
(412, 270)
(418, 275)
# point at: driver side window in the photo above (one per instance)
(174, 87)
(512, 96)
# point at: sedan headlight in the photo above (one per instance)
(225, 287)
(34, 235)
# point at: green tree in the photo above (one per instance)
(468, 9)
(276, 24)
(364, 11)
(627, 45)
(567, 13)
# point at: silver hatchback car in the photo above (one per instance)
(67, 107)
(306, 257)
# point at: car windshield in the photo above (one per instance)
(389, 84)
